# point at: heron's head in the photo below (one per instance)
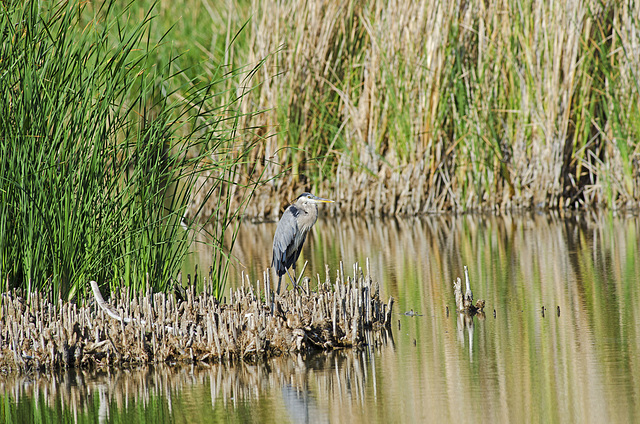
(308, 198)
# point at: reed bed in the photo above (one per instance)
(417, 107)
(104, 135)
(162, 328)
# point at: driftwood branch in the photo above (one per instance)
(112, 312)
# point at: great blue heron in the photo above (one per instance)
(292, 231)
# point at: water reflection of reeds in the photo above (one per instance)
(521, 366)
(319, 388)
(575, 366)
(579, 366)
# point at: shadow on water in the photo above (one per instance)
(560, 340)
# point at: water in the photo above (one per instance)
(581, 365)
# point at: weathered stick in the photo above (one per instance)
(111, 311)
(465, 303)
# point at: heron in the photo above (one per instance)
(292, 231)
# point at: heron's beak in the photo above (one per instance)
(323, 200)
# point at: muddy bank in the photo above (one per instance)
(255, 323)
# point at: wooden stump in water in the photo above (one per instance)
(464, 303)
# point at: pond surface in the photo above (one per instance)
(578, 361)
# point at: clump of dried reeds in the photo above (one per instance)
(161, 328)
(415, 107)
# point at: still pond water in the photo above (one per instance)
(578, 361)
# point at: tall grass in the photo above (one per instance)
(415, 107)
(103, 136)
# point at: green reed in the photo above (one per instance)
(103, 137)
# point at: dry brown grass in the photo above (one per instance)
(418, 107)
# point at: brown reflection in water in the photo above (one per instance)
(319, 388)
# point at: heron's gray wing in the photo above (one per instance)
(284, 240)
(296, 248)
(304, 222)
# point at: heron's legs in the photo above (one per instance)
(280, 281)
(293, 281)
(295, 285)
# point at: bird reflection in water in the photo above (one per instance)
(301, 405)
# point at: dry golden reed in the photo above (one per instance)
(419, 107)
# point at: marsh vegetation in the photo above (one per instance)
(103, 138)
(429, 106)
(128, 129)
(122, 121)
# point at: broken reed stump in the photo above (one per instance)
(464, 303)
(158, 328)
